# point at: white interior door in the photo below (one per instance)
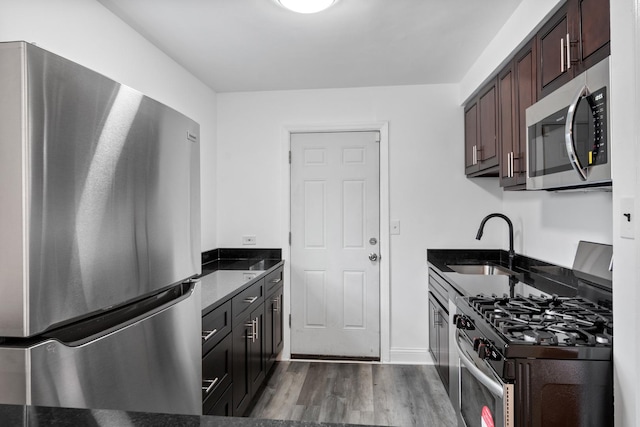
(335, 233)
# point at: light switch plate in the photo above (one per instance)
(628, 218)
(248, 240)
(395, 227)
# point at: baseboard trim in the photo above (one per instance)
(334, 358)
(410, 356)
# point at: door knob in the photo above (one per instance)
(373, 256)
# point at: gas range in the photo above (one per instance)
(504, 328)
(570, 321)
(529, 358)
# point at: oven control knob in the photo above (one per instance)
(487, 351)
(463, 322)
(477, 341)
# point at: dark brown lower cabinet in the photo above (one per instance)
(217, 366)
(224, 406)
(274, 331)
(239, 351)
(249, 363)
(439, 338)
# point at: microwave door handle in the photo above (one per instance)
(569, 141)
(495, 387)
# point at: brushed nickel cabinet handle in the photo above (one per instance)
(210, 386)
(208, 334)
(275, 281)
(568, 52)
(562, 55)
(250, 300)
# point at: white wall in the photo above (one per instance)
(436, 204)
(87, 33)
(625, 132)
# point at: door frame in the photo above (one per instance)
(385, 315)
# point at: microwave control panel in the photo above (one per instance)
(598, 103)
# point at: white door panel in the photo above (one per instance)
(335, 296)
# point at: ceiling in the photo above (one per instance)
(256, 45)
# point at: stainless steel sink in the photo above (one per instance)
(483, 269)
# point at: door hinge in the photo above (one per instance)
(289, 320)
(289, 238)
(289, 156)
(377, 136)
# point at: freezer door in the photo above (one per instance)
(149, 364)
(100, 190)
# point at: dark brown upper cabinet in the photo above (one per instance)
(574, 39)
(516, 92)
(481, 129)
(592, 26)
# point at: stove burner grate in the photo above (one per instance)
(571, 321)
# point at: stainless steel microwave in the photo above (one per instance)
(568, 143)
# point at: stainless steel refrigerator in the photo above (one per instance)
(99, 241)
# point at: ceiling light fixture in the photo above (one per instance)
(306, 6)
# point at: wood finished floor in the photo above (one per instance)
(356, 393)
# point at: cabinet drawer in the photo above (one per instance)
(273, 279)
(215, 325)
(439, 288)
(246, 300)
(216, 371)
(223, 407)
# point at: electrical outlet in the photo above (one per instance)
(248, 240)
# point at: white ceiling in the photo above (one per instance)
(254, 45)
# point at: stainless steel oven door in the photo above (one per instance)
(483, 399)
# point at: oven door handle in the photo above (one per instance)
(493, 386)
(569, 141)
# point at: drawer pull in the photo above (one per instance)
(255, 330)
(210, 386)
(276, 307)
(253, 335)
(208, 334)
(250, 300)
(276, 281)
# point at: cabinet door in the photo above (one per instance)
(526, 94)
(242, 335)
(249, 360)
(470, 138)
(488, 146)
(506, 125)
(273, 326)
(223, 407)
(216, 372)
(270, 307)
(443, 342)
(592, 27)
(433, 331)
(553, 69)
(257, 356)
(278, 324)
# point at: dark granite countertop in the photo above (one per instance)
(532, 275)
(227, 272)
(35, 416)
